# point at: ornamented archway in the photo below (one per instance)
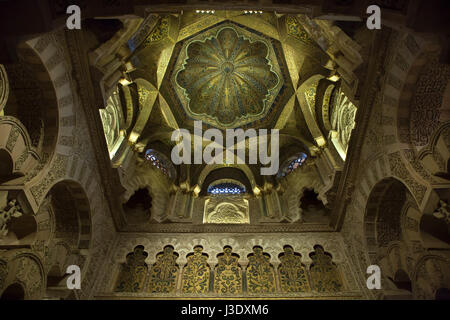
(382, 220)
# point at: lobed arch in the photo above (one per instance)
(17, 155)
(405, 98)
(223, 174)
(70, 208)
(157, 187)
(435, 157)
(309, 108)
(410, 221)
(400, 255)
(56, 277)
(33, 99)
(24, 275)
(431, 276)
(185, 243)
(419, 95)
(383, 225)
(62, 226)
(394, 257)
(48, 52)
(408, 216)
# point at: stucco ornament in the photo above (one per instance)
(112, 121)
(226, 210)
(343, 122)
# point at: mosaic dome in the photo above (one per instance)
(227, 78)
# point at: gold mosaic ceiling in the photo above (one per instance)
(227, 77)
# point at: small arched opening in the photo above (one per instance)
(313, 209)
(137, 208)
(72, 215)
(14, 292)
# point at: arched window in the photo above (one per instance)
(226, 187)
(291, 164)
(382, 223)
(161, 162)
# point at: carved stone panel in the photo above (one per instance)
(228, 273)
(164, 273)
(226, 210)
(260, 273)
(132, 274)
(292, 272)
(196, 273)
(324, 273)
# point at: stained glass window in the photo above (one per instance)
(226, 188)
(161, 162)
(291, 165)
(291, 272)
